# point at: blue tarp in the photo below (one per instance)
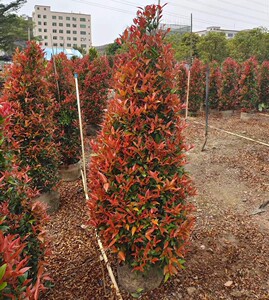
(68, 52)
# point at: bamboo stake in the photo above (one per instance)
(188, 93)
(84, 174)
(112, 277)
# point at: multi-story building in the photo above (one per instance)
(229, 33)
(60, 29)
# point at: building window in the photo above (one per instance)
(74, 32)
(83, 32)
(39, 16)
(61, 31)
(45, 37)
(61, 24)
(39, 23)
(74, 38)
(82, 19)
(82, 25)
(74, 19)
(44, 16)
(68, 31)
(83, 45)
(45, 8)
(54, 24)
(68, 38)
(53, 17)
(83, 39)
(45, 23)
(55, 44)
(74, 25)
(37, 8)
(46, 44)
(75, 45)
(39, 30)
(54, 37)
(68, 18)
(68, 25)
(54, 30)
(45, 30)
(61, 38)
(60, 18)
(230, 35)
(61, 44)
(69, 45)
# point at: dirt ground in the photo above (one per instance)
(229, 252)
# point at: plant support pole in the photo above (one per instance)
(83, 173)
(188, 93)
(206, 105)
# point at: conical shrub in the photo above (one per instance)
(138, 183)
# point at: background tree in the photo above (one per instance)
(184, 45)
(213, 46)
(248, 43)
(13, 28)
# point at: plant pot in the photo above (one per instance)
(246, 116)
(70, 172)
(136, 282)
(226, 113)
(92, 129)
(51, 200)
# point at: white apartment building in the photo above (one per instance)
(60, 29)
(229, 33)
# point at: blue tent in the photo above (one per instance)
(68, 52)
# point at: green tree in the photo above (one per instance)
(248, 43)
(185, 46)
(13, 28)
(112, 48)
(213, 46)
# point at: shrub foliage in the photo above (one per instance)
(138, 184)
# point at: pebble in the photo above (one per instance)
(191, 290)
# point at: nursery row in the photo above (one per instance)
(39, 137)
(231, 85)
(138, 185)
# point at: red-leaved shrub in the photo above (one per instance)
(264, 84)
(94, 76)
(229, 85)
(23, 242)
(214, 84)
(197, 86)
(249, 87)
(138, 183)
(32, 125)
(62, 87)
(181, 81)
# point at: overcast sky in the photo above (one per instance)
(111, 17)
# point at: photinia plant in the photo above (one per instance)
(214, 84)
(94, 76)
(182, 81)
(197, 86)
(62, 87)
(23, 242)
(263, 80)
(229, 85)
(138, 183)
(249, 88)
(26, 89)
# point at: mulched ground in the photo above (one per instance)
(228, 257)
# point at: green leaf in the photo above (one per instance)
(167, 276)
(3, 285)
(2, 270)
